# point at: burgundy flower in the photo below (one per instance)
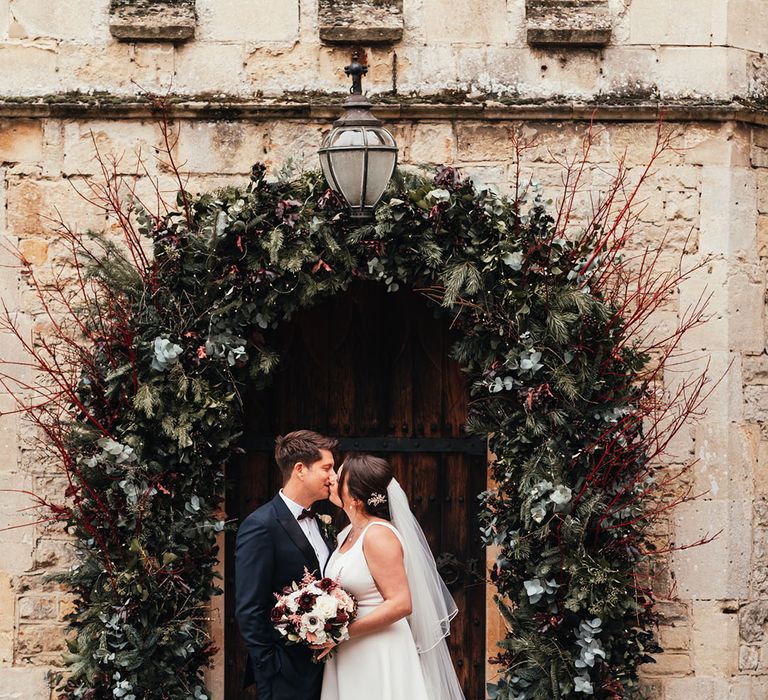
(306, 601)
(327, 584)
(258, 173)
(448, 178)
(288, 210)
(277, 613)
(330, 200)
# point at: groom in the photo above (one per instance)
(274, 544)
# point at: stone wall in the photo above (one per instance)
(259, 80)
(673, 49)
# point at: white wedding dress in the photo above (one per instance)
(383, 665)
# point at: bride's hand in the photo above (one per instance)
(326, 649)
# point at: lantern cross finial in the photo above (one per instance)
(357, 70)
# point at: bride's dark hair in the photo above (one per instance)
(367, 478)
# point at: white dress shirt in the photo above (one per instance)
(311, 529)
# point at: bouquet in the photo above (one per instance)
(314, 612)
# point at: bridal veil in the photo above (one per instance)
(432, 605)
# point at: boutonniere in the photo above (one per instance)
(326, 525)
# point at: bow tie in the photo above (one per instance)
(305, 514)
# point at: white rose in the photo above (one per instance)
(311, 623)
(326, 606)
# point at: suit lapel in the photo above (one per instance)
(294, 531)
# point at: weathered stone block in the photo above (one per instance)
(28, 683)
(17, 371)
(28, 69)
(722, 145)
(678, 64)
(122, 145)
(7, 619)
(252, 21)
(40, 643)
(688, 688)
(676, 22)
(709, 282)
(634, 144)
(17, 556)
(21, 145)
(728, 212)
(748, 25)
(672, 664)
(758, 157)
(9, 426)
(221, 147)
(568, 22)
(67, 607)
(80, 20)
(762, 191)
(207, 68)
(714, 639)
(434, 144)
(675, 638)
(492, 177)
(756, 403)
(117, 67)
(747, 309)
(292, 141)
(152, 20)
(748, 657)
(33, 203)
(483, 142)
(51, 553)
(37, 608)
(361, 21)
(762, 235)
(447, 23)
(726, 459)
(753, 618)
(34, 250)
(718, 570)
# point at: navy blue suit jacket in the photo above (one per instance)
(272, 552)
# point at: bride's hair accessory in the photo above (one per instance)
(376, 499)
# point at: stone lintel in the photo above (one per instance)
(152, 20)
(579, 23)
(316, 109)
(361, 21)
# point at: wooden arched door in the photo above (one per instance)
(372, 369)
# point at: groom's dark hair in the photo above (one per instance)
(300, 446)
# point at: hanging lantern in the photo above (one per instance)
(359, 155)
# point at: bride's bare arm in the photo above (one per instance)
(384, 555)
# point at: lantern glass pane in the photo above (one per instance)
(348, 169)
(380, 167)
(379, 137)
(347, 137)
(327, 170)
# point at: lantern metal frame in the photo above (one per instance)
(357, 117)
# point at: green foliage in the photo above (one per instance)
(546, 383)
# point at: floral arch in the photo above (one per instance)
(160, 347)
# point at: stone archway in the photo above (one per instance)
(372, 368)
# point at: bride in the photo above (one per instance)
(397, 645)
